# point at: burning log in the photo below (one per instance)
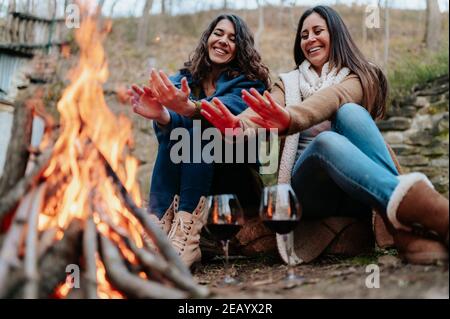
(90, 252)
(131, 284)
(152, 230)
(155, 263)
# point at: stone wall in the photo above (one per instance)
(417, 129)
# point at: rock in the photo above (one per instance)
(440, 162)
(421, 102)
(434, 150)
(389, 261)
(402, 149)
(413, 160)
(393, 137)
(394, 124)
(438, 107)
(432, 172)
(441, 125)
(405, 111)
(422, 122)
(420, 138)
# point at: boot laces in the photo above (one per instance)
(178, 240)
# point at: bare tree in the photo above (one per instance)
(163, 7)
(364, 28)
(113, 5)
(433, 25)
(143, 24)
(225, 5)
(260, 29)
(386, 35)
(280, 13)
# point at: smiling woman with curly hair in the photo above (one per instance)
(224, 63)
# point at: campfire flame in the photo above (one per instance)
(78, 185)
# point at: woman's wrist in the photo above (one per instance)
(164, 119)
(191, 109)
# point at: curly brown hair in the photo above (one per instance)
(247, 60)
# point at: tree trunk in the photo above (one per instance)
(163, 7)
(260, 24)
(364, 28)
(433, 25)
(143, 24)
(18, 153)
(386, 35)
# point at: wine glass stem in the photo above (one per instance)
(225, 250)
(290, 269)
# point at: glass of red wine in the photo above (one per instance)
(225, 219)
(280, 211)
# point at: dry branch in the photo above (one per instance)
(152, 230)
(31, 264)
(132, 285)
(17, 154)
(10, 198)
(52, 265)
(9, 252)
(90, 250)
(154, 262)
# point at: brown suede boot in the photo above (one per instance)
(185, 233)
(165, 223)
(418, 250)
(415, 249)
(416, 207)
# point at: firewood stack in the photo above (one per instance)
(73, 226)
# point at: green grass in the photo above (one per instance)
(416, 69)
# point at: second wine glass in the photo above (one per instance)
(280, 211)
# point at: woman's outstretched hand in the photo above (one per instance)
(271, 114)
(168, 95)
(146, 105)
(218, 115)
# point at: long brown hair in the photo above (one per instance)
(247, 60)
(345, 53)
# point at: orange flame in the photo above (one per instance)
(104, 289)
(90, 132)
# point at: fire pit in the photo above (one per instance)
(80, 206)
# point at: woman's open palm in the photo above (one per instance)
(271, 114)
(144, 103)
(218, 115)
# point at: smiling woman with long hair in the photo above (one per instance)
(224, 63)
(335, 157)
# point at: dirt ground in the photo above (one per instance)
(329, 277)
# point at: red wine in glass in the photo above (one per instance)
(280, 211)
(281, 226)
(225, 218)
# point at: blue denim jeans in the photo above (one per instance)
(189, 180)
(346, 171)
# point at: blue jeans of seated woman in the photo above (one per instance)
(189, 180)
(345, 171)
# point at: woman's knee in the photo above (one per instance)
(351, 114)
(327, 142)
